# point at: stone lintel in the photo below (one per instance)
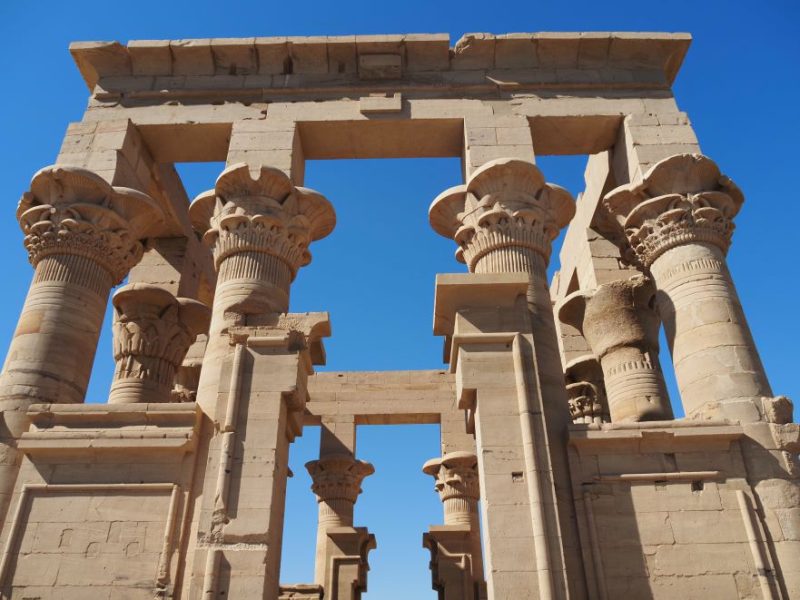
(381, 397)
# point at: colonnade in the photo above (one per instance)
(83, 235)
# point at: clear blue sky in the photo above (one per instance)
(375, 273)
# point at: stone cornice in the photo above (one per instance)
(159, 66)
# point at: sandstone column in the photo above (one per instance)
(618, 321)
(152, 333)
(259, 226)
(504, 220)
(252, 385)
(458, 543)
(337, 484)
(82, 237)
(679, 222)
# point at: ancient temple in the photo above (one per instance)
(556, 425)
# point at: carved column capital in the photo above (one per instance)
(263, 213)
(613, 315)
(682, 199)
(73, 211)
(586, 391)
(152, 333)
(504, 204)
(456, 482)
(456, 475)
(621, 326)
(338, 478)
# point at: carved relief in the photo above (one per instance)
(73, 211)
(152, 333)
(338, 478)
(682, 199)
(506, 204)
(264, 215)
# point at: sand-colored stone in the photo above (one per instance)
(621, 326)
(559, 431)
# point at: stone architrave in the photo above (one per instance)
(587, 393)
(152, 333)
(504, 220)
(82, 236)
(259, 226)
(618, 321)
(678, 221)
(336, 481)
(456, 555)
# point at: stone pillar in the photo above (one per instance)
(82, 237)
(504, 220)
(456, 476)
(259, 226)
(337, 484)
(679, 222)
(618, 321)
(152, 333)
(586, 391)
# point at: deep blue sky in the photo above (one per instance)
(375, 273)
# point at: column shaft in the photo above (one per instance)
(712, 347)
(678, 222)
(504, 220)
(51, 355)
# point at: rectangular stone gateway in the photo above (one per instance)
(556, 425)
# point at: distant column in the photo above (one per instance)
(620, 325)
(456, 555)
(679, 222)
(337, 484)
(152, 333)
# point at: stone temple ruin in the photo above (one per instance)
(555, 420)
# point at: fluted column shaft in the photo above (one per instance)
(679, 223)
(63, 310)
(712, 347)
